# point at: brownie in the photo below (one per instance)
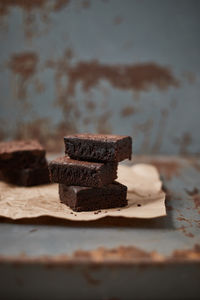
(98, 147)
(21, 155)
(26, 177)
(73, 172)
(86, 198)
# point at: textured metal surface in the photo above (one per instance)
(180, 229)
(162, 254)
(128, 67)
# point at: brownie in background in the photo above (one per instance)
(21, 154)
(26, 177)
(23, 163)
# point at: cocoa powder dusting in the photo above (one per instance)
(23, 65)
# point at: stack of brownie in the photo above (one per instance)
(23, 163)
(87, 173)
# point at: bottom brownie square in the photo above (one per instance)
(81, 198)
(26, 177)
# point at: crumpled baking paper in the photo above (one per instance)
(145, 198)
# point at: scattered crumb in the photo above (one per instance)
(71, 213)
(119, 209)
(139, 205)
(97, 212)
(105, 211)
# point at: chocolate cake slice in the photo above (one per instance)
(21, 155)
(87, 199)
(82, 173)
(98, 147)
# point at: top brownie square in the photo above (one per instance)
(21, 154)
(98, 147)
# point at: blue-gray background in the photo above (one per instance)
(124, 67)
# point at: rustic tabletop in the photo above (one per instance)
(131, 251)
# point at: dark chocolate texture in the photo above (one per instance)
(98, 147)
(26, 177)
(21, 155)
(82, 173)
(88, 199)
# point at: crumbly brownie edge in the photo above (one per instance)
(90, 150)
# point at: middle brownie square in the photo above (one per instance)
(82, 173)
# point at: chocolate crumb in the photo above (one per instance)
(139, 205)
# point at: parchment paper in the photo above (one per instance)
(145, 198)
